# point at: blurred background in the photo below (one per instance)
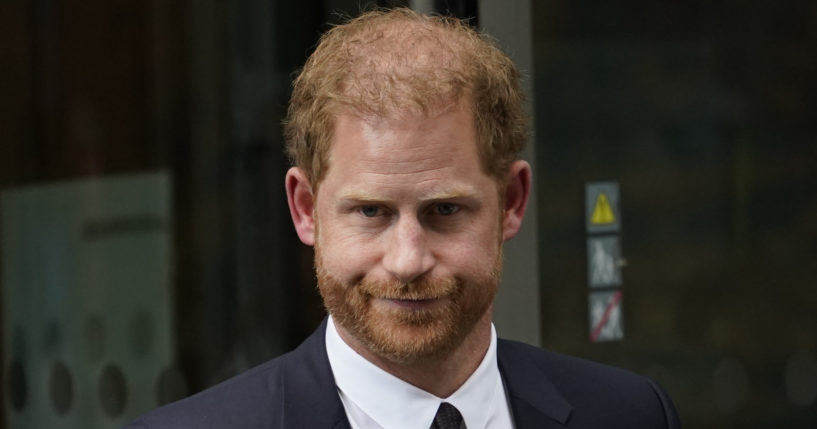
(146, 250)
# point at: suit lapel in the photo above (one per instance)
(309, 395)
(535, 401)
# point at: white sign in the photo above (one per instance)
(603, 261)
(86, 300)
(605, 316)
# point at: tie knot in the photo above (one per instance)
(448, 417)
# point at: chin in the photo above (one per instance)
(407, 335)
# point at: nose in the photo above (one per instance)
(407, 255)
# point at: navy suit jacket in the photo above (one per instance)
(546, 391)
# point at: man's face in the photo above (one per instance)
(408, 234)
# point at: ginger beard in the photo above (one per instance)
(405, 334)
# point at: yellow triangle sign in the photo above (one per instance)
(602, 213)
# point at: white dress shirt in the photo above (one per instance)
(375, 399)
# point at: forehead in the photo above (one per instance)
(413, 156)
(404, 144)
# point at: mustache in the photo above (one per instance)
(422, 289)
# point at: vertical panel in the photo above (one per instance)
(516, 311)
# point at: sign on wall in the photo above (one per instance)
(604, 261)
(86, 300)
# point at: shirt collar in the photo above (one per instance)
(393, 403)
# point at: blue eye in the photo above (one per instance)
(446, 209)
(369, 211)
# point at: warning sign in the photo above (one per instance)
(602, 213)
(603, 261)
(602, 207)
(605, 316)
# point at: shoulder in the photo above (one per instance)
(598, 395)
(246, 400)
(567, 370)
(294, 390)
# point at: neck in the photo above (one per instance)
(440, 376)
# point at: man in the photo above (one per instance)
(404, 131)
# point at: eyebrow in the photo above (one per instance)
(433, 195)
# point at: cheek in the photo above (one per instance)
(484, 233)
(345, 256)
(471, 254)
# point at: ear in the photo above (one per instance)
(301, 204)
(517, 191)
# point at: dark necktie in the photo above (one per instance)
(448, 417)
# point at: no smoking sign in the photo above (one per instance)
(605, 316)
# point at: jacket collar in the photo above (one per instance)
(309, 397)
(535, 401)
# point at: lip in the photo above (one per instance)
(413, 304)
